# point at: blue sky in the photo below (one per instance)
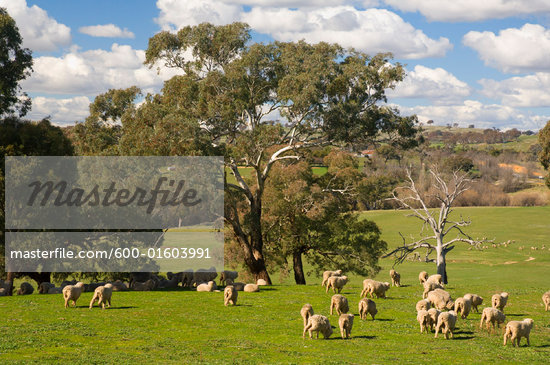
(468, 61)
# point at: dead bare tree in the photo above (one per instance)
(409, 197)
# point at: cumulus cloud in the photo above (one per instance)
(40, 32)
(437, 85)
(62, 111)
(370, 30)
(470, 10)
(513, 49)
(479, 114)
(528, 91)
(107, 30)
(94, 71)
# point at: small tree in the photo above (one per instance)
(446, 192)
(544, 155)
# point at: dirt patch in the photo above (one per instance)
(510, 262)
(530, 259)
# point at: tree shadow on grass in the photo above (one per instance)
(542, 346)
(515, 315)
(384, 319)
(106, 308)
(336, 338)
(463, 338)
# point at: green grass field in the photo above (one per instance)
(184, 326)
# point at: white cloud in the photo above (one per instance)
(95, 71)
(479, 114)
(528, 91)
(371, 30)
(40, 32)
(513, 49)
(106, 30)
(438, 85)
(62, 111)
(470, 10)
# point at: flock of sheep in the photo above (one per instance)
(436, 310)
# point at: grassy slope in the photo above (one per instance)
(190, 327)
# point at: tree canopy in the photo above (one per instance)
(15, 65)
(544, 154)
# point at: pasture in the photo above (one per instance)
(182, 326)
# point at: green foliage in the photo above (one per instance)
(458, 163)
(544, 155)
(15, 65)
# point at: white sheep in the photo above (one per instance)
(224, 275)
(119, 286)
(499, 301)
(306, 312)
(515, 330)
(429, 286)
(546, 300)
(103, 296)
(422, 277)
(328, 274)
(367, 306)
(378, 288)
(25, 289)
(230, 295)
(395, 278)
(447, 320)
(72, 292)
(346, 324)
(251, 288)
(336, 283)
(475, 299)
(365, 290)
(440, 299)
(492, 316)
(424, 319)
(436, 278)
(434, 315)
(339, 303)
(464, 306)
(318, 323)
(209, 287)
(261, 282)
(423, 304)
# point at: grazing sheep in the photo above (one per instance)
(499, 301)
(423, 304)
(424, 319)
(440, 299)
(346, 323)
(72, 292)
(423, 276)
(515, 330)
(146, 286)
(336, 283)
(395, 278)
(429, 286)
(491, 316)
(434, 315)
(230, 295)
(447, 320)
(103, 295)
(261, 282)
(377, 288)
(119, 286)
(546, 300)
(239, 286)
(328, 274)
(318, 323)
(464, 306)
(365, 290)
(306, 312)
(251, 288)
(367, 306)
(436, 278)
(224, 275)
(339, 303)
(210, 286)
(44, 287)
(55, 290)
(25, 289)
(475, 299)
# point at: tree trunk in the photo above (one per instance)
(298, 266)
(441, 264)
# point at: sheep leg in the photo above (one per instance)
(93, 300)
(437, 330)
(527, 337)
